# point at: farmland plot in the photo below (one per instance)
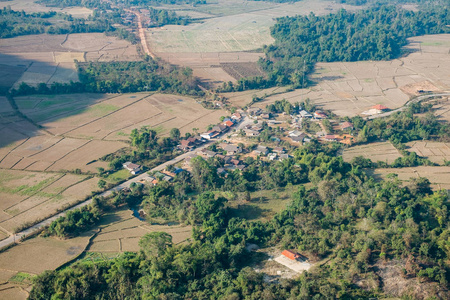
(438, 176)
(28, 196)
(380, 151)
(350, 88)
(50, 58)
(121, 232)
(434, 151)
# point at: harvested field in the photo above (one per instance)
(379, 151)
(121, 232)
(441, 109)
(30, 6)
(349, 88)
(208, 66)
(438, 176)
(27, 196)
(39, 254)
(239, 70)
(229, 27)
(434, 151)
(50, 58)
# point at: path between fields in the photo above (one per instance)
(16, 237)
(414, 100)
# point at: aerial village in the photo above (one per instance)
(241, 136)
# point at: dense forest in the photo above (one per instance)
(160, 17)
(358, 224)
(376, 33)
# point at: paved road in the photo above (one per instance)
(15, 238)
(414, 100)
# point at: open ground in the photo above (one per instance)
(379, 151)
(50, 58)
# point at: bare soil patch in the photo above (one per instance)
(240, 70)
(380, 151)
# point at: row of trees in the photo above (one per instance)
(122, 77)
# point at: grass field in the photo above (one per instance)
(380, 151)
(263, 205)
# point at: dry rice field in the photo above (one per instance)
(50, 58)
(349, 88)
(380, 151)
(28, 196)
(229, 28)
(435, 151)
(438, 176)
(120, 232)
(30, 6)
(75, 132)
(34, 256)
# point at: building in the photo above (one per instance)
(320, 115)
(186, 145)
(232, 149)
(261, 150)
(133, 168)
(304, 114)
(210, 134)
(220, 128)
(346, 126)
(293, 255)
(330, 138)
(236, 116)
(279, 150)
(228, 123)
(207, 153)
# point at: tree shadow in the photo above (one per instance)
(20, 120)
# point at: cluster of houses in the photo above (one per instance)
(223, 127)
